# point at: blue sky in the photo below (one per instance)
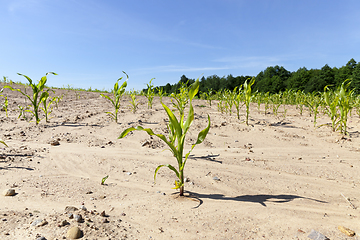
(89, 43)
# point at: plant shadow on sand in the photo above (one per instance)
(207, 158)
(259, 198)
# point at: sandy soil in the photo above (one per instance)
(278, 178)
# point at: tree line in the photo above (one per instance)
(276, 79)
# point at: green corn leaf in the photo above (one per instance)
(151, 133)
(1, 141)
(194, 89)
(169, 166)
(29, 79)
(107, 97)
(174, 122)
(201, 137)
(203, 133)
(189, 120)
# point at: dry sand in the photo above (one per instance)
(277, 178)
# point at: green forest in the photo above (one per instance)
(277, 79)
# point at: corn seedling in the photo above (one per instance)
(266, 99)
(77, 95)
(247, 97)
(357, 105)
(104, 179)
(221, 105)
(230, 97)
(37, 96)
(150, 93)
(47, 108)
(208, 96)
(239, 98)
(345, 105)
(275, 100)
(133, 101)
(175, 141)
(180, 99)
(330, 107)
(118, 92)
(313, 102)
(161, 92)
(5, 104)
(23, 112)
(257, 98)
(57, 100)
(300, 98)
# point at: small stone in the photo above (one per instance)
(70, 209)
(315, 235)
(63, 223)
(74, 233)
(9, 192)
(346, 231)
(39, 222)
(78, 218)
(105, 220)
(55, 143)
(71, 216)
(216, 178)
(102, 214)
(41, 238)
(82, 207)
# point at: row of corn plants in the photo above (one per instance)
(337, 104)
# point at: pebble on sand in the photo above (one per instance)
(74, 233)
(9, 192)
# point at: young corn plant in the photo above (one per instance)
(239, 98)
(118, 92)
(266, 100)
(247, 97)
(178, 129)
(357, 105)
(47, 108)
(345, 105)
(133, 101)
(208, 96)
(258, 99)
(230, 97)
(313, 102)
(5, 105)
(300, 98)
(330, 108)
(180, 99)
(221, 105)
(161, 92)
(275, 100)
(37, 96)
(150, 93)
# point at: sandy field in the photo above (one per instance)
(278, 178)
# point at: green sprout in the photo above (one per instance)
(175, 141)
(38, 94)
(118, 92)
